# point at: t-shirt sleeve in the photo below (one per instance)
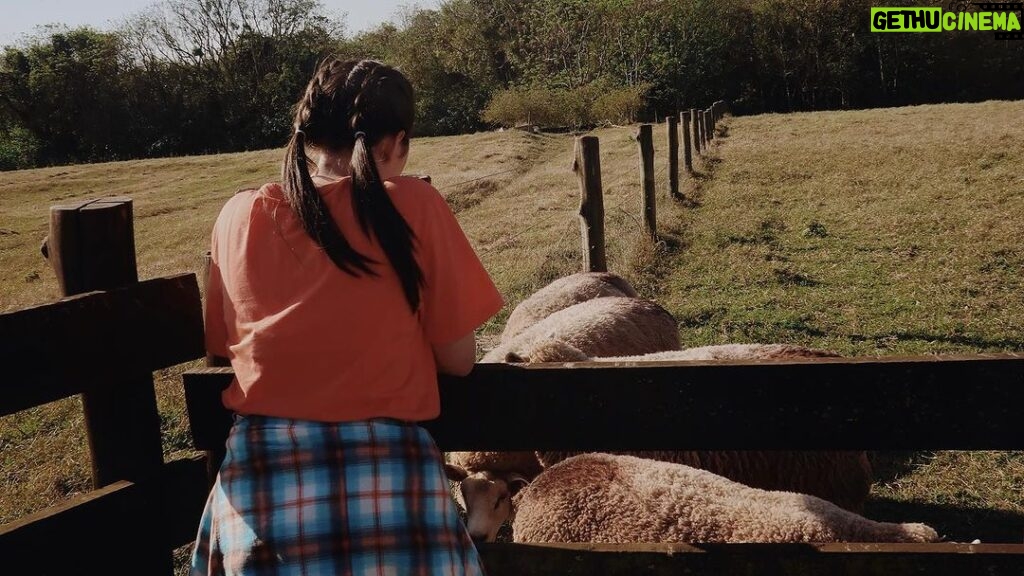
(458, 295)
(216, 327)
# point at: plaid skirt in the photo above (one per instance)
(311, 498)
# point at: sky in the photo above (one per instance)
(20, 17)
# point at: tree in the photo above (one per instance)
(65, 90)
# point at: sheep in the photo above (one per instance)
(555, 350)
(841, 477)
(523, 463)
(599, 327)
(555, 297)
(604, 498)
(486, 496)
(561, 294)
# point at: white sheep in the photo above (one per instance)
(841, 477)
(620, 499)
(561, 294)
(600, 327)
(557, 296)
(557, 350)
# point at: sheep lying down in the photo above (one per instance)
(621, 499)
(608, 326)
(558, 350)
(561, 294)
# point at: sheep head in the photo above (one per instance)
(487, 498)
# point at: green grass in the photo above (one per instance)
(870, 233)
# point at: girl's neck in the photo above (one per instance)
(333, 167)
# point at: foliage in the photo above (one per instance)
(619, 106)
(197, 76)
(574, 108)
(18, 149)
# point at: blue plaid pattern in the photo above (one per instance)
(310, 498)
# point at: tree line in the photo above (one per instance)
(205, 76)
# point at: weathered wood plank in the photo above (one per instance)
(649, 205)
(760, 559)
(100, 530)
(210, 422)
(184, 495)
(587, 166)
(94, 340)
(106, 531)
(930, 402)
(891, 403)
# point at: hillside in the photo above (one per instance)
(889, 231)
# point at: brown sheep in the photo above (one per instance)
(561, 294)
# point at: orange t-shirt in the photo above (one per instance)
(310, 342)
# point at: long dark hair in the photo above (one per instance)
(353, 105)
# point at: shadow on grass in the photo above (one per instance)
(887, 466)
(953, 523)
(972, 340)
(688, 201)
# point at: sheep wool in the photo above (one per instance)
(604, 498)
(842, 477)
(561, 294)
(599, 327)
(524, 463)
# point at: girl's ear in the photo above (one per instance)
(391, 147)
(400, 147)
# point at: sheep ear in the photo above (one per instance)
(455, 473)
(515, 358)
(516, 482)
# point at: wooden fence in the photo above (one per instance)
(696, 129)
(105, 345)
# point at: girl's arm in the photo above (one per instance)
(456, 358)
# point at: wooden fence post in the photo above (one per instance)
(695, 129)
(684, 121)
(702, 123)
(91, 246)
(645, 136)
(711, 124)
(587, 167)
(215, 457)
(672, 124)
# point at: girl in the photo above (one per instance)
(337, 296)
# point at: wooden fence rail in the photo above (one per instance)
(888, 403)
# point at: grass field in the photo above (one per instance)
(875, 232)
